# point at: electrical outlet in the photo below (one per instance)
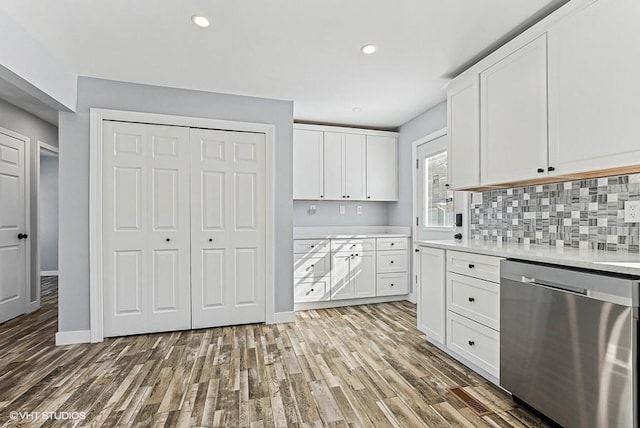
(343, 211)
(632, 211)
(312, 210)
(359, 210)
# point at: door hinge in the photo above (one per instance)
(418, 163)
(417, 221)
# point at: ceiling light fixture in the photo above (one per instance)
(357, 109)
(201, 21)
(368, 49)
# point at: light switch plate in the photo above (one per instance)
(632, 211)
(343, 211)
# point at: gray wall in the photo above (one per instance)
(48, 213)
(400, 213)
(328, 213)
(74, 176)
(24, 123)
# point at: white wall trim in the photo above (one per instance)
(49, 273)
(73, 337)
(284, 317)
(412, 297)
(346, 130)
(27, 202)
(95, 199)
(41, 146)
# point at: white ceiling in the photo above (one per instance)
(301, 50)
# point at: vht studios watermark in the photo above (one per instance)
(56, 416)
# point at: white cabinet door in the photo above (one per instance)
(227, 227)
(594, 88)
(13, 261)
(342, 285)
(431, 295)
(513, 113)
(334, 167)
(355, 166)
(145, 228)
(363, 274)
(463, 117)
(382, 168)
(308, 164)
(344, 166)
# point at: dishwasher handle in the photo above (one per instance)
(553, 285)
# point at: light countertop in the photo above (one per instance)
(351, 232)
(608, 261)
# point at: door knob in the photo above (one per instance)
(471, 343)
(472, 299)
(471, 266)
(540, 170)
(22, 236)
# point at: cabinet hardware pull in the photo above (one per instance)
(551, 168)
(343, 196)
(321, 196)
(472, 299)
(356, 255)
(210, 240)
(391, 285)
(471, 266)
(168, 240)
(392, 244)
(368, 197)
(391, 261)
(540, 170)
(417, 250)
(471, 343)
(313, 246)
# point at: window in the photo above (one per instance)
(438, 199)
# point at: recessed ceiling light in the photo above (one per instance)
(201, 21)
(357, 109)
(368, 49)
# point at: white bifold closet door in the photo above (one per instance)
(227, 227)
(146, 228)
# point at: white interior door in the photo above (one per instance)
(227, 227)
(13, 254)
(145, 228)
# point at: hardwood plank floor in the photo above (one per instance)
(355, 366)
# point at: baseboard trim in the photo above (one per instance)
(33, 306)
(348, 302)
(412, 298)
(284, 317)
(73, 337)
(49, 273)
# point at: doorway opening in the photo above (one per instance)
(47, 259)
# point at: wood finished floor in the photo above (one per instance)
(355, 366)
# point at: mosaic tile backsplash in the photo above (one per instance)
(581, 214)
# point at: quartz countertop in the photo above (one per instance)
(607, 261)
(347, 232)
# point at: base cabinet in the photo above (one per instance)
(350, 268)
(431, 295)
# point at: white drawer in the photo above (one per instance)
(391, 284)
(311, 265)
(474, 298)
(475, 342)
(384, 244)
(356, 245)
(309, 290)
(475, 265)
(304, 246)
(392, 261)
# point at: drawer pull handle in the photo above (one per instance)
(168, 240)
(471, 343)
(471, 266)
(472, 299)
(392, 244)
(313, 246)
(391, 261)
(310, 267)
(391, 285)
(353, 246)
(210, 240)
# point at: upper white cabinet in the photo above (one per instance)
(594, 89)
(382, 168)
(463, 117)
(308, 147)
(560, 100)
(333, 163)
(513, 116)
(344, 166)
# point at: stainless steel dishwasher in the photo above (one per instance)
(568, 343)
